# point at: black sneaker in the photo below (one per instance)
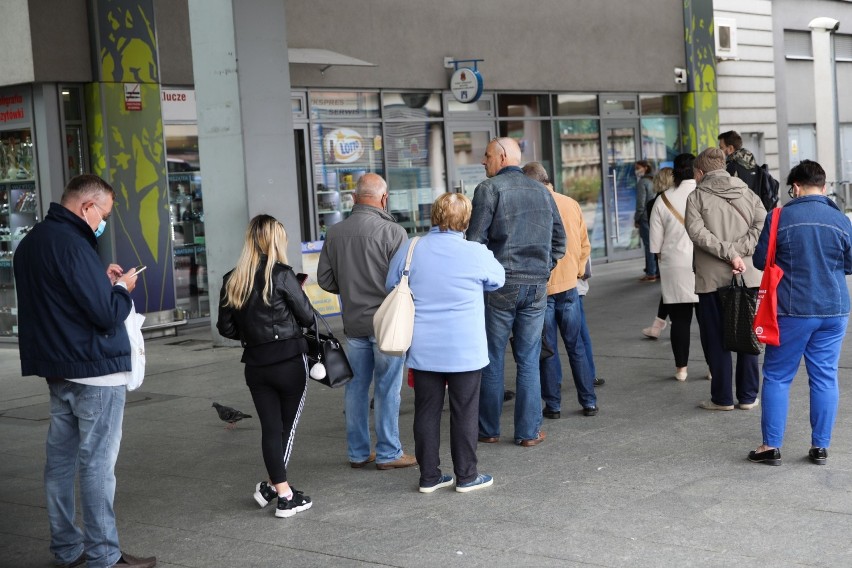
(289, 507)
(264, 494)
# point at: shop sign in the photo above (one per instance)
(132, 96)
(325, 303)
(466, 85)
(344, 145)
(178, 105)
(14, 108)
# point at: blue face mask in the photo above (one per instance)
(101, 226)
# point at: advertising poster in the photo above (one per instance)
(325, 303)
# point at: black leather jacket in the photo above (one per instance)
(256, 323)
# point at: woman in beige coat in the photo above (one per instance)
(671, 242)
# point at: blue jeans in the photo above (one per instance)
(368, 362)
(650, 259)
(586, 341)
(564, 315)
(819, 340)
(516, 309)
(84, 436)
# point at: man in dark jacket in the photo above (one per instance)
(517, 219)
(354, 263)
(71, 328)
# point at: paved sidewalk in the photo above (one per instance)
(652, 481)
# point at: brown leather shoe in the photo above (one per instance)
(489, 440)
(135, 562)
(535, 441)
(357, 465)
(404, 461)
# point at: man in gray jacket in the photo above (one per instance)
(724, 219)
(354, 263)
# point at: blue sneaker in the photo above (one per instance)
(445, 481)
(480, 482)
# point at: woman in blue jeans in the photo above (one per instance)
(448, 276)
(814, 249)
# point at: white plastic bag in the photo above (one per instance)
(134, 323)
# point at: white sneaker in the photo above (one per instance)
(710, 405)
(654, 331)
(680, 375)
(749, 406)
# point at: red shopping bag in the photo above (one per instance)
(766, 317)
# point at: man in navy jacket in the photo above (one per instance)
(71, 328)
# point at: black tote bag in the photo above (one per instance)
(326, 349)
(739, 304)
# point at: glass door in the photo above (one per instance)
(464, 157)
(620, 142)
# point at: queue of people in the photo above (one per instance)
(513, 262)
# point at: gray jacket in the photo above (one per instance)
(724, 219)
(354, 263)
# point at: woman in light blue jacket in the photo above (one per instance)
(448, 276)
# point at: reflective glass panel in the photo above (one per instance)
(343, 104)
(659, 105)
(416, 175)
(533, 136)
(660, 141)
(577, 165)
(572, 105)
(522, 105)
(187, 216)
(411, 105)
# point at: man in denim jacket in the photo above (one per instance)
(517, 219)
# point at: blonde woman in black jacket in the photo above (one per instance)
(262, 304)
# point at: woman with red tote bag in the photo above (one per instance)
(814, 251)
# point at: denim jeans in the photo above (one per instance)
(367, 363)
(564, 317)
(586, 341)
(516, 309)
(84, 435)
(650, 259)
(819, 340)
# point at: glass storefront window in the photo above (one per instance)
(75, 144)
(660, 142)
(416, 175)
(577, 171)
(533, 136)
(187, 216)
(515, 105)
(342, 153)
(656, 105)
(336, 105)
(575, 105)
(484, 106)
(411, 105)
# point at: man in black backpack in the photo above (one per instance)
(740, 162)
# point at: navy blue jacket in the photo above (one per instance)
(70, 317)
(814, 249)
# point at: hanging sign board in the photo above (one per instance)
(466, 85)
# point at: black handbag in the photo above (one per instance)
(739, 304)
(326, 350)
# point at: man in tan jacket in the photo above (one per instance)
(563, 307)
(724, 219)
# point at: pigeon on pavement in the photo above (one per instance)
(229, 415)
